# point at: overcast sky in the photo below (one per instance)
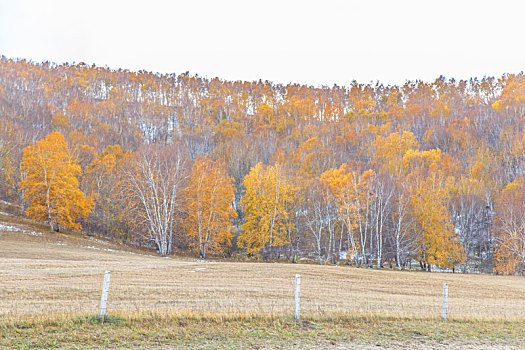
(313, 42)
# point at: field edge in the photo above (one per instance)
(151, 330)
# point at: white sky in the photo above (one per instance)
(313, 42)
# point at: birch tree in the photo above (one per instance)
(267, 205)
(209, 206)
(510, 229)
(383, 190)
(51, 184)
(402, 225)
(155, 183)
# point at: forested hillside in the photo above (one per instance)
(371, 175)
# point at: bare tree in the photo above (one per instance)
(320, 218)
(471, 218)
(382, 187)
(155, 182)
(402, 236)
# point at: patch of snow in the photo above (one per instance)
(112, 250)
(200, 268)
(6, 214)
(11, 228)
(195, 260)
(103, 249)
(98, 241)
(10, 204)
(31, 233)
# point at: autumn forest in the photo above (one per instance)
(427, 175)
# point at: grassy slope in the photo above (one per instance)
(49, 282)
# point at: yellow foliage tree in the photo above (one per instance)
(103, 180)
(51, 184)
(438, 243)
(339, 184)
(267, 206)
(390, 150)
(350, 189)
(209, 206)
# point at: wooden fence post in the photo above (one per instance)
(104, 297)
(445, 302)
(297, 297)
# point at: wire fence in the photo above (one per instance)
(204, 295)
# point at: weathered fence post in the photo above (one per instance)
(297, 297)
(104, 297)
(445, 302)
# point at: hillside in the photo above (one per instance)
(429, 174)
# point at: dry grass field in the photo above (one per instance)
(59, 276)
(42, 273)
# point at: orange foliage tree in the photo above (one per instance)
(51, 184)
